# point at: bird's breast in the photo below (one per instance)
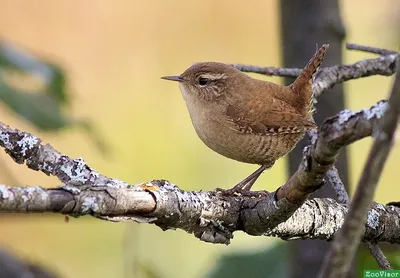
(222, 136)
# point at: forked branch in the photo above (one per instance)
(210, 216)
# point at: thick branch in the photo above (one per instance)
(209, 216)
(76, 200)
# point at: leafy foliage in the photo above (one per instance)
(45, 109)
(272, 262)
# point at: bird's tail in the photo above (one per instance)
(302, 86)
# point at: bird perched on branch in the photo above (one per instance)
(247, 119)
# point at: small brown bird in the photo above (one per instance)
(247, 119)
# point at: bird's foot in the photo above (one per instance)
(243, 187)
(242, 192)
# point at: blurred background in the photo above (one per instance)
(104, 61)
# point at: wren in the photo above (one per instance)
(247, 119)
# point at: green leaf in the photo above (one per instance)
(41, 109)
(52, 76)
(272, 262)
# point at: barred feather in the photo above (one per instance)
(303, 84)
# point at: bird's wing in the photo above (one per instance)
(261, 112)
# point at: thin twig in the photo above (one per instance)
(380, 51)
(338, 260)
(327, 77)
(270, 71)
(332, 175)
(338, 186)
(377, 253)
(343, 198)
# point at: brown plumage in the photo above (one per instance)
(247, 119)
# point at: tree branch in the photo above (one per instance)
(209, 215)
(378, 255)
(337, 262)
(375, 50)
(336, 132)
(25, 147)
(336, 182)
(327, 77)
(343, 198)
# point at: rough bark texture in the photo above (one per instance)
(208, 215)
(305, 24)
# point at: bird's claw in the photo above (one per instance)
(241, 192)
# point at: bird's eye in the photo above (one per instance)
(203, 81)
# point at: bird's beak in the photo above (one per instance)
(173, 78)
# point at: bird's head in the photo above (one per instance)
(206, 80)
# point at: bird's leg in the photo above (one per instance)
(245, 185)
(249, 185)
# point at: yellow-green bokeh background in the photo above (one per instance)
(114, 53)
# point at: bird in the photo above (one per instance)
(247, 119)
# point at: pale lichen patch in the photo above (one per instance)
(90, 203)
(380, 206)
(373, 219)
(30, 193)
(345, 115)
(26, 143)
(77, 171)
(48, 167)
(5, 193)
(94, 175)
(375, 112)
(5, 138)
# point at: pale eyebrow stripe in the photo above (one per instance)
(213, 76)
